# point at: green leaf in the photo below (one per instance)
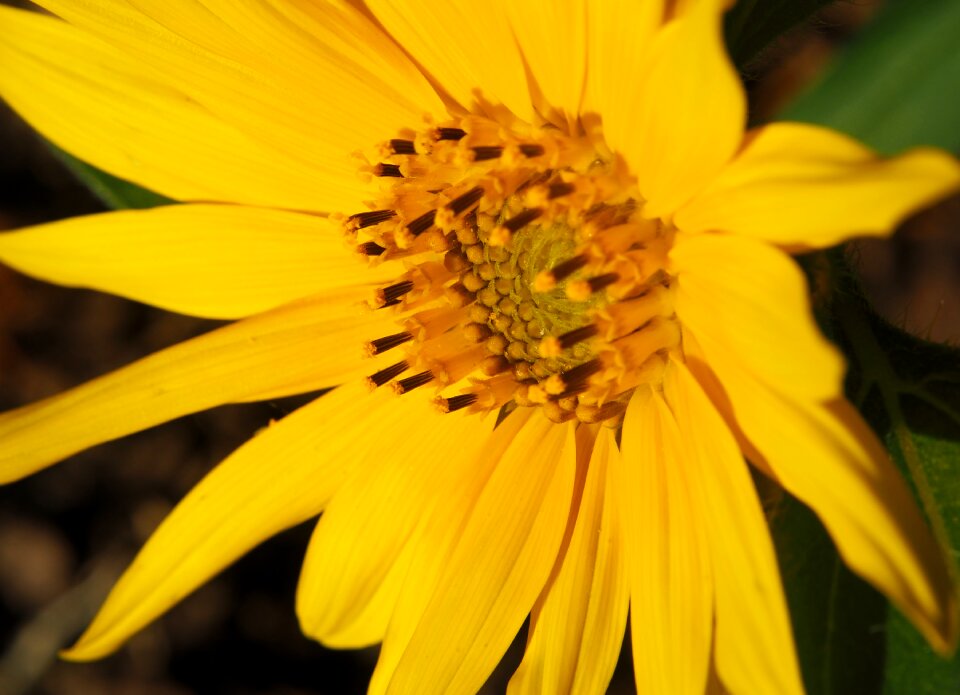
(833, 612)
(910, 394)
(752, 25)
(898, 84)
(115, 193)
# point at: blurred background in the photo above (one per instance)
(66, 533)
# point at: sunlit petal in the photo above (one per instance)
(806, 186)
(215, 261)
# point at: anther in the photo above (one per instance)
(381, 345)
(476, 332)
(370, 248)
(564, 270)
(412, 382)
(580, 291)
(494, 364)
(557, 190)
(548, 279)
(422, 223)
(368, 219)
(450, 405)
(481, 154)
(576, 378)
(455, 262)
(393, 292)
(571, 338)
(522, 219)
(384, 375)
(450, 133)
(462, 202)
(399, 146)
(383, 169)
(593, 413)
(531, 150)
(458, 295)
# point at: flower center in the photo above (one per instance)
(532, 277)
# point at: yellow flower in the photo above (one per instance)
(550, 208)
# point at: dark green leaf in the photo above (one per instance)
(912, 397)
(898, 84)
(833, 612)
(752, 25)
(115, 193)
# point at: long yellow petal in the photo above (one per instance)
(215, 261)
(241, 62)
(311, 344)
(552, 38)
(751, 299)
(576, 629)
(754, 647)
(826, 456)
(417, 458)
(432, 542)
(465, 46)
(619, 38)
(690, 110)
(284, 475)
(671, 591)
(806, 186)
(97, 103)
(498, 567)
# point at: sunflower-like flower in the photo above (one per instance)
(545, 270)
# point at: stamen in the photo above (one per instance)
(531, 150)
(384, 375)
(402, 146)
(393, 292)
(450, 405)
(548, 279)
(381, 345)
(392, 170)
(450, 133)
(422, 223)
(370, 248)
(368, 219)
(481, 154)
(521, 220)
(607, 411)
(557, 190)
(461, 203)
(412, 382)
(571, 338)
(576, 378)
(581, 290)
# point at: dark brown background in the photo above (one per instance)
(66, 532)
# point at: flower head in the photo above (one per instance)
(546, 268)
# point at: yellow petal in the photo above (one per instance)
(826, 456)
(498, 567)
(431, 545)
(418, 456)
(95, 102)
(281, 477)
(242, 62)
(464, 45)
(552, 38)
(802, 185)
(311, 344)
(690, 110)
(214, 261)
(750, 299)
(671, 592)
(619, 37)
(576, 628)
(754, 647)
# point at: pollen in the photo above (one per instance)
(527, 273)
